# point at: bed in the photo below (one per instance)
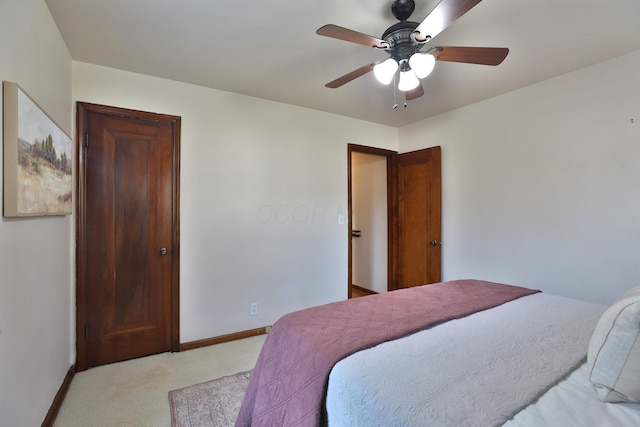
(455, 353)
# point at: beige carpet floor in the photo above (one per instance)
(135, 393)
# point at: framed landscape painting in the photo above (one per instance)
(38, 159)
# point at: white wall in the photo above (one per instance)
(262, 185)
(35, 253)
(541, 186)
(369, 215)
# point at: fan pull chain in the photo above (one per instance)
(395, 94)
(395, 102)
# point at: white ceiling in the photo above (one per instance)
(269, 49)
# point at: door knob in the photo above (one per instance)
(163, 251)
(434, 243)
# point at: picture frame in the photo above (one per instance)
(38, 159)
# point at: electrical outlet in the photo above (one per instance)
(254, 308)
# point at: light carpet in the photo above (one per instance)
(134, 393)
(214, 403)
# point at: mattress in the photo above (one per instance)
(518, 364)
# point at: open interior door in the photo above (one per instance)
(416, 252)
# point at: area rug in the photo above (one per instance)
(214, 403)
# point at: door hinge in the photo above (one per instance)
(86, 331)
(86, 140)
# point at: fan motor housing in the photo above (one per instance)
(402, 46)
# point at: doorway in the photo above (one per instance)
(369, 219)
(395, 226)
(128, 246)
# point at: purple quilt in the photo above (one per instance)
(289, 381)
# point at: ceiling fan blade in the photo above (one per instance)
(471, 55)
(443, 15)
(350, 76)
(415, 93)
(346, 34)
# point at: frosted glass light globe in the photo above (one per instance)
(408, 81)
(385, 71)
(422, 64)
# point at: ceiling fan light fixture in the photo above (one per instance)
(422, 64)
(408, 81)
(385, 71)
(403, 42)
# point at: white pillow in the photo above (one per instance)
(614, 351)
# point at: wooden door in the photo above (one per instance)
(128, 240)
(416, 249)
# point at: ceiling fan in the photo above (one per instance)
(403, 42)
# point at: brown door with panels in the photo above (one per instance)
(128, 237)
(417, 223)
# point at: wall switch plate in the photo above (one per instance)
(254, 308)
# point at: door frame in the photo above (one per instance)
(391, 182)
(83, 109)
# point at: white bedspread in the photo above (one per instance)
(477, 371)
(573, 402)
